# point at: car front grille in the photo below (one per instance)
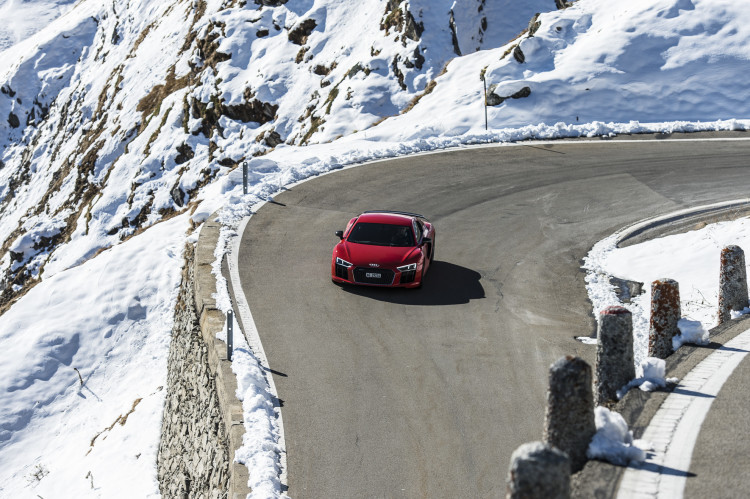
(383, 277)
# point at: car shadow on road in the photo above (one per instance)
(444, 284)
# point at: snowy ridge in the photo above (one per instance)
(122, 124)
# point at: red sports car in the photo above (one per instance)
(384, 248)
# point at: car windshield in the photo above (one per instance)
(381, 234)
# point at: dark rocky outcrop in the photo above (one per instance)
(255, 110)
(298, 35)
(185, 153)
(272, 139)
(494, 100)
(454, 35)
(6, 90)
(401, 20)
(13, 120)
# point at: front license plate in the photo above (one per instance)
(373, 275)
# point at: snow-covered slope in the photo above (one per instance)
(121, 114)
(21, 19)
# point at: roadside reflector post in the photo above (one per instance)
(484, 83)
(569, 422)
(244, 177)
(539, 470)
(614, 353)
(732, 282)
(230, 334)
(665, 313)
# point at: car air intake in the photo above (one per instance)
(408, 276)
(383, 277)
(342, 272)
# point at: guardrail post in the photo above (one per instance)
(614, 353)
(665, 313)
(569, 422)
(230, 334)
(538, 470)
(732, 282)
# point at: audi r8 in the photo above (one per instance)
(384, 248)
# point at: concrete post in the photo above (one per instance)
(569, 422)
(538, 470)
(732, 282)
(665, 313)
(614, 353)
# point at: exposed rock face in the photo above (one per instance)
(193, 458)
(401, 21)
(251, 110)
(185, 153)
(13, 121)
(299, 34)
(626, 290)
(494, 100)
(454, 34)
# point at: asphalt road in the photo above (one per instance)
(426, 393)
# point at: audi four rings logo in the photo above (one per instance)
(374, 265)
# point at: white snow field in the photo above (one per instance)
(122, 124)
(23, 18)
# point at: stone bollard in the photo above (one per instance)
(732, 282)
(665, 313)
(569, 422)
(538, 470)
(614, 353)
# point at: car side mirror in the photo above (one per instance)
(340, 234)
(426, 240)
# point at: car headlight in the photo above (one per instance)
(406, 268)
(341, 261)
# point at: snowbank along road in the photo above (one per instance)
(427, 393)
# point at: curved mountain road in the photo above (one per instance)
(426, 393)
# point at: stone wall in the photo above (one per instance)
(202, 424)
(193, 458)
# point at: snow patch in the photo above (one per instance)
(613, 441)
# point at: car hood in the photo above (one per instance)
(361, 255)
